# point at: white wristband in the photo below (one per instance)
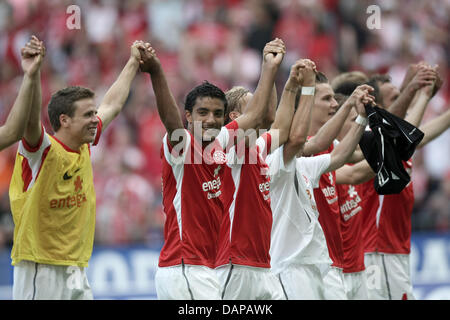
(362, 121)
(308, 91)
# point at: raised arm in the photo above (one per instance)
(341, 154)
(302, 73)
(271, 109)
(356, 156)
(16, 123)
(424, 76)
(269, 116)
(285, 113)
(165, 102)
(434, 128)
(412, 70)
(423, 96)
(114, 99)
(254, 114)
(31, 63)
(328, 132)
(356, 174)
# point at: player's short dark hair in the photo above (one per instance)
(321, 77)
(381, 78)
(375, 81)
(206, 89)
(347, 88)
(347, 82)
(62, 102)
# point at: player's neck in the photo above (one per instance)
(67, 140)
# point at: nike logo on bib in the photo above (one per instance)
(66, 175)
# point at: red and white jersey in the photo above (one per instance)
(329, 216)
(192, 199)
(370, 203)
(388, 228)
(350, 200)
(245, 232)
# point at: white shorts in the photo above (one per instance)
(36, 281)
(388, 276)
(302, 282)
(334, 288)
(187, 282)
(355, 285)
(240, 282)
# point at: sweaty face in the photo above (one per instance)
(389, 93)
(325, 105)
(84, 122)
(207, 113)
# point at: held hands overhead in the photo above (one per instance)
(274, 52)
(32, 56)
(424, 77)
(360, 97)
(303, 73)
(146, 55)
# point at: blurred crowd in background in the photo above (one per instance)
(218, 41)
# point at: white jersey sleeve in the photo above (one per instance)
(277, 167)
(313, 167)
(226, 133)
(177, 154)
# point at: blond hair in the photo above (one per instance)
(234, 96)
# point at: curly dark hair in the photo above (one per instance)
(206, 89)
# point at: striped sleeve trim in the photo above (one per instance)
(33, 159)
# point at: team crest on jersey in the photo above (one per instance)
(74, 200)
(352, 192)
(78, 183)
(219, 157)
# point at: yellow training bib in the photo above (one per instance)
(53, 204)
